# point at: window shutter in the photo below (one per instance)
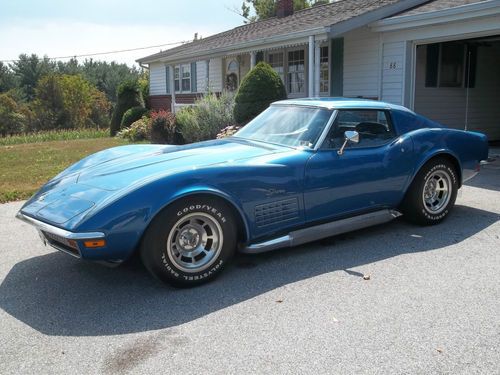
(193, 77)
(167, 78)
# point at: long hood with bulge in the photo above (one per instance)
(104, 174)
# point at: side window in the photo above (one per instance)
(374, 128)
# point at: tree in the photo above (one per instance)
(257, 10)
(68, 101)
(28, 70)
(108, 76)
(7, 78)
(12, 118)
(257, 91)
(128, 96)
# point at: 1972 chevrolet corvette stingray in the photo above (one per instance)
(301, 171)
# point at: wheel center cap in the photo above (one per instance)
(189, 239)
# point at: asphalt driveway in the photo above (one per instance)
(391, 299)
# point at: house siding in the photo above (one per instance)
(201, 76)
(157, 79)
(361, 64)
(215, 74)
(393, 60)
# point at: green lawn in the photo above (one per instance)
(24, 168)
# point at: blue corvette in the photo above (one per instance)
(301, 171)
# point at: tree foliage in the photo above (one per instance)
(61, 94)
(257, 10)
(65, 101)
(28, 69)
(260, 87)
(7, 78)
(13, 116)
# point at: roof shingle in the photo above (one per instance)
(303, 20)
(436, 5)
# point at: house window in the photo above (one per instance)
(186, 78)
(324, 76)
(277, 63)
(182, 78)
(232, 67)
(296, 72)
(447, 65)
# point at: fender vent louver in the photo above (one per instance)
(276, 212)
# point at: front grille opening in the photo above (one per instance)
(60, 243)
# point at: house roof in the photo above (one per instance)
(436, 5)
(308, 19)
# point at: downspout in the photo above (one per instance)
(310, 77)
(172, 88)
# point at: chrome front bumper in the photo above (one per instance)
(60, 239)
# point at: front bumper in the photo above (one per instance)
(61, 239)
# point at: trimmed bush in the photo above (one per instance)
(140, 130)
(132, 115)
(206, 118)
(260, 87)
(129, 96)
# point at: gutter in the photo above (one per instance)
(462, 12)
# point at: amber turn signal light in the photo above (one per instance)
(94, 243)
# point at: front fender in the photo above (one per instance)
(211, 190)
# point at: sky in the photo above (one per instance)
(74, 27)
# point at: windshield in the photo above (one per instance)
(293, 126)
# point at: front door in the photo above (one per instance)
(369, 175)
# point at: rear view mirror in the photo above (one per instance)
(350, 136)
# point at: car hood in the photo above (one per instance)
(102, 175)
(135, 163)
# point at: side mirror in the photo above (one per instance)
(350, 136)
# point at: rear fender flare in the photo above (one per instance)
(434, 154)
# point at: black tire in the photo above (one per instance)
(427, 202)
(202, 225)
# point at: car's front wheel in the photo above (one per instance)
(432, 194)
(190, 242)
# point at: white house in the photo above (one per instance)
(439, 57)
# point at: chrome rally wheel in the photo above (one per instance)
(432, 194)
(436, 192)
(190, 241)
(194, 242)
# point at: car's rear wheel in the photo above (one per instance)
(190, 242)
(432, 193)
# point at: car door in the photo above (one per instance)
(368, 175)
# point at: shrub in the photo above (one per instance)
(140, 130)
(12, 117)
(129, 95)
(132, 115)
(206, 118)
(260, 87)
(163, 127)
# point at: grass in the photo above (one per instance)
(54, 135)
(24, 168)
